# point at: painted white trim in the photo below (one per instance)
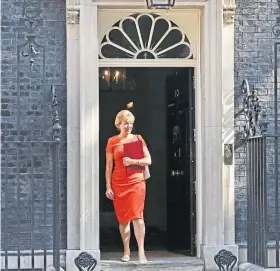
(228, 131)
(126, 4)
(89, 130)
(195, 63)
(199, 123)
(147, 63)
(157, 11)
(73, 136)
(208, 117)
(212, 208)
(145, 45)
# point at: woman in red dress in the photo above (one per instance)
(127, 191)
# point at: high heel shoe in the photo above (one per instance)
(125, 258)
(143, 260)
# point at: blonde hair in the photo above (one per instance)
(123, 115)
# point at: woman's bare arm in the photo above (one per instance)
(109, 169)
(146, 161)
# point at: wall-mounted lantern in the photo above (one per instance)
(160, 4)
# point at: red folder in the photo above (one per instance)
(134, 150)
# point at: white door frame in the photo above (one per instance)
(187, 63)
(214, 79)
(183, 64)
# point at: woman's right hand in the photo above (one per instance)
(109, 193)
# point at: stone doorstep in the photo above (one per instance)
(152, 266)
(155, 263)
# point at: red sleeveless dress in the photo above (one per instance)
(129, 190)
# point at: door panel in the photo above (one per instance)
(180, 160)
(192, 158)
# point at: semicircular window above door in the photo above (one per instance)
(145, 36)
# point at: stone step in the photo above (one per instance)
(110, 266)
(156, 262)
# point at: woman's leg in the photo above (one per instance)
(139, 230)
(125, 234)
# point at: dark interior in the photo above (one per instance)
(163, 104)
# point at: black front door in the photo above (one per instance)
(180, 161)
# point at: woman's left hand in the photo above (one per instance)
(127, 161)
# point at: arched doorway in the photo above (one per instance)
(147, 59)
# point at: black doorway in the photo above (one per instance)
(163, 100)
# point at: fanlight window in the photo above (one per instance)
(145, 36)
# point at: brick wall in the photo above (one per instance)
(253, 60)
(26, 116)
(254, 56)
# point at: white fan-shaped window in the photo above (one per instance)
(145, 36)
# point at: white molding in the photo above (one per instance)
(145, 43)
(228, 14)
(208, 67)
(228, 130)
(89, 130)
(164, 62)
(229, 2)
(147, 63)
(212, 187)
(73, 136)
(185, 19)
(199, 124)
(157, 11)
(73, 16)
(229, 11)
(142, 4)
(72, 2)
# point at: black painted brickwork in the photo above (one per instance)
(30, 170)
(254, 60)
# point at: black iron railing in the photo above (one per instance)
(262, 182)
(262, 201)
(257, 201)
(31, 198)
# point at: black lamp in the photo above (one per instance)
(160, 4)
